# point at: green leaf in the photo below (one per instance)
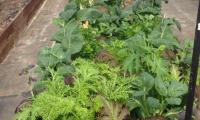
(66, 69)
(175, 73)
(73, 39)
(53, 56)
(51, 106)
(177, 89)
(147, 80)
(46, 59)
(153, 102)
(161, 87)
(39, 87)
(157, 65)
(173, 101)
(59, 22)
(147, 7)
(128, 63)
(178, 24)
(58, 36)
(139, 93)
(163, 36)
(136, 42)
(134, 103)
(88, 14)
(69, 11)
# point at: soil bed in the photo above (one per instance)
(8, 11)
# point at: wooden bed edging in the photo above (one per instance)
(11, 33)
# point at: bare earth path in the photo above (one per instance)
(185, 11)
(13, 88)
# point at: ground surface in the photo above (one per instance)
(14, 88)
(8, 11)
(185, 11)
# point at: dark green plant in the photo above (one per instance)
(148, 7)
(91, 44)
(68, 41)
(155, 97)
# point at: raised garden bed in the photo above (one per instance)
(111, 61)
(14, 17)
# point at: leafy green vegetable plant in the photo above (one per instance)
(109, 60)
(166, 101)
(82, 100)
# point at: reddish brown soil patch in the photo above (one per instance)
(104, 56)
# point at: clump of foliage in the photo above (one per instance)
(111, 61)
(68, 41)
(166, 101)
(93, 85)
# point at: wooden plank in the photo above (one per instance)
(11, 34)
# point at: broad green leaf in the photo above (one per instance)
(59, 36)
(128, 64)
(69, 11)
(59, 22)
(148, 81)
(137, 42)
(52, 56)
(65, 69)
(73, 39)
(177, 89)
(39, 87)
(147, 7)
(157, 65)
(46, 59)
(153, 102)
(161, 87)
(173, 101)
(126, 13)
(163, 36)
(134, 103)
(89, 14)
(139, 93)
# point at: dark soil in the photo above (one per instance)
(8, 11)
